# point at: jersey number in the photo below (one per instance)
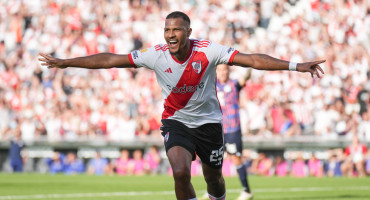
(216, 156)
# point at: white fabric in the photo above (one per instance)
(292, 66)
(203, 106)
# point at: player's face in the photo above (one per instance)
(222, 73)
(176, 34)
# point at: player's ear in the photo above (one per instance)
(189, 31)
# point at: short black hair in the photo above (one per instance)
(178, 14)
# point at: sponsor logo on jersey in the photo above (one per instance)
(230, 50)
(197, 66)
(143, 50)
(169, 70)
(186, 88)
(135, 55)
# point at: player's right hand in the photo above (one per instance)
(51, 62)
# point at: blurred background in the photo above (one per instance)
(107, 121)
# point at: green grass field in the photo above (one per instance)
(57, 187)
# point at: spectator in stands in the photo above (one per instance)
(138, 166)
(98, 165)
(73, 165)
(367, 162)
(299, 167)
(56, 163)
(254, 112)
(323, 122)
(289, 126)
(315, 167)
(356, 154)
(123, 162)
(262, 165)
(281, 167)
(153, 158)
(364, 125)
(333, 165)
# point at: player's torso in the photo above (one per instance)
(189, 86)
(191, 76)
(228, 96)
(228, 93)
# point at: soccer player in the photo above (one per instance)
(228, 95)
(192, 117)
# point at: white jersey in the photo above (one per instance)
(189, 87)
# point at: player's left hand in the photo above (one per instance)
(312, 67)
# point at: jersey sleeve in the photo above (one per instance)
(222, 54)
(143, 58)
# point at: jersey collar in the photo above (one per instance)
(187, 57)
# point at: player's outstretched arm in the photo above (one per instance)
(265, 62)
(96, 61)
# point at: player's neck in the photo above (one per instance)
(184, 52)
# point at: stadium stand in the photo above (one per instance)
(81, 110)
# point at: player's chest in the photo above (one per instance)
(193, 68)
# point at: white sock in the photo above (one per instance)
(193, 198)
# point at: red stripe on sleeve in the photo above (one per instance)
(232, 57)
(131, 60)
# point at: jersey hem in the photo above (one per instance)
(195, 125)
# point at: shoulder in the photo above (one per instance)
(160, 47)
(201, 43)
(151, 50)
(212, 47)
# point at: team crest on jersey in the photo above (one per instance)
(166, 136)
(197, 66)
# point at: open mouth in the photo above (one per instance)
(172, 43)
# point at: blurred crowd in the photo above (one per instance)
(126, 104)
(352, 161)
(94, 162)
(125, 164)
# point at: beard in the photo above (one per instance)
(174, 52)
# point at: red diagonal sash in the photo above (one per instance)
(187, 85)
